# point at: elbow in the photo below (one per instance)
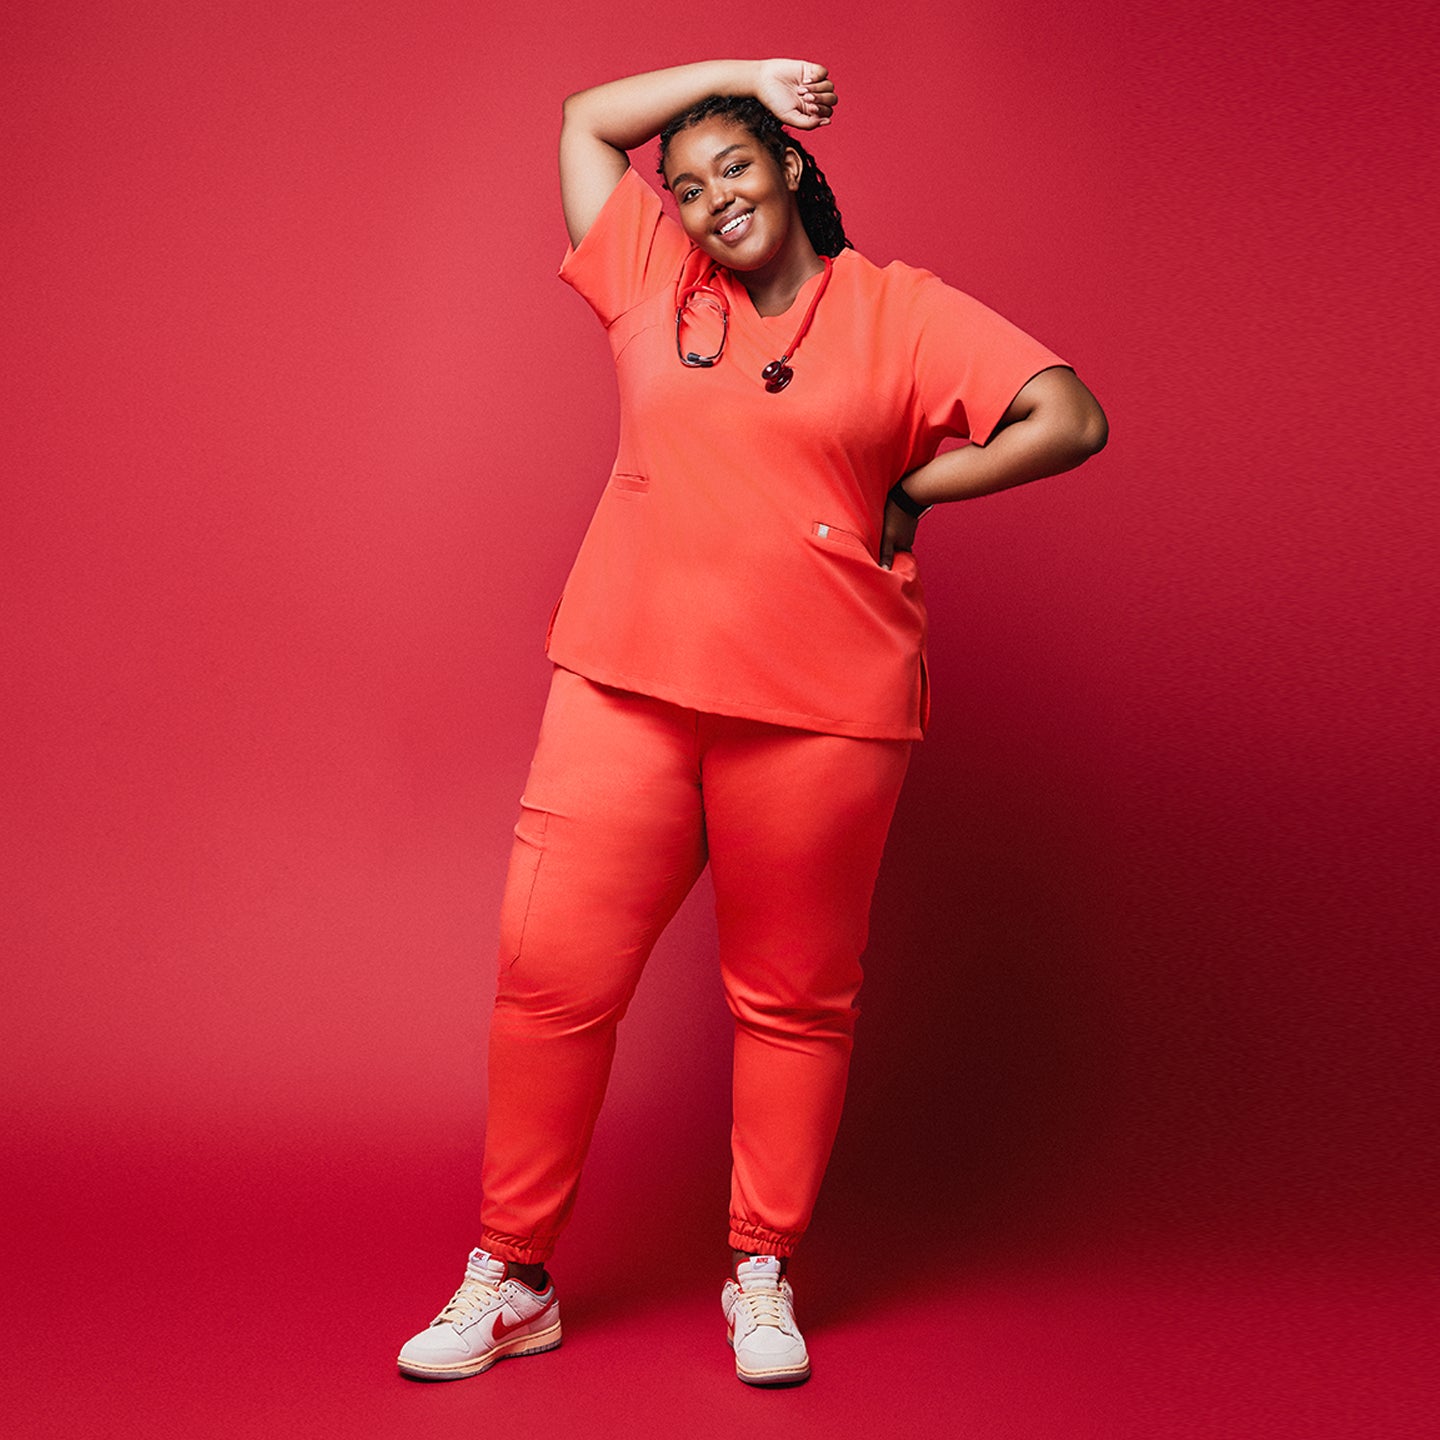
(1074, 435)
(1073, 417)
(571, 107)
(1094, 430)
(1088, 428)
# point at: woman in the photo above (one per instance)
(739, 658)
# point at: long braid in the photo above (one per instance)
(818, 209)
(816, 201)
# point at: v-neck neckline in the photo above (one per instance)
(746, 304)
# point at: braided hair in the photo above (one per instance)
(816, 201)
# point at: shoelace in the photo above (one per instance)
(472, 1296)
(768, 1307)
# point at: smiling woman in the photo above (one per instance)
(728, 160)
(736, 203)
(739, 661)
(755, 201)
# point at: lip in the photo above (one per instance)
(747, 220)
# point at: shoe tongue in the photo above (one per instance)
(485, 1266)
(761, 1272)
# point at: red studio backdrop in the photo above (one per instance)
(300, 433)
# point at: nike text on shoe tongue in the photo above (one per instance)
(762, 1270)
(484, 1266)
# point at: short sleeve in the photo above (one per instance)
(970, 363)
(632, 250)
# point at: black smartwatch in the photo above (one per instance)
(912, 508)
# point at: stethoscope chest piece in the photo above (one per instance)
(777, 375)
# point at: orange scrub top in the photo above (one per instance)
(730, 564)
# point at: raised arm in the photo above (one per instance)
(601, 124)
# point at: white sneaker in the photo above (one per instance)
(489, 1319)
(759, 1310)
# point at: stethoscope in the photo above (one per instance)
(778, 373)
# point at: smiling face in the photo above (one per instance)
(735, 202)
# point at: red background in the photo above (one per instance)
(300, 434)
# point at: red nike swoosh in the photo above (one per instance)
(502, 1329)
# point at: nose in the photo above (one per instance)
(719, 198)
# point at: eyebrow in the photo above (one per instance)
(715, 159)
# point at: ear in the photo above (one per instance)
(794, 168)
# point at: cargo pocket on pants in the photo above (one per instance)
(525, 857)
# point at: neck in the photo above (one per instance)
(775, 285)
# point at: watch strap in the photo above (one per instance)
(898, 497)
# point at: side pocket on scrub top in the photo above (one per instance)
(838, 536)
(525, 857)
(630, 484)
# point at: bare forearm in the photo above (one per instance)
(627, 112)
(1053, 425)
(1024, 452)
(602, 124)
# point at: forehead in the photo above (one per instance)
(694, 150)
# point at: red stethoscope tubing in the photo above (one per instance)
(778, 373)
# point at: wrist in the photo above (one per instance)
(903, 500)
(727, 77)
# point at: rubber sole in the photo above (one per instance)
(537, 1344)
(772, 1378)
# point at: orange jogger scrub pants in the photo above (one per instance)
(627, 798)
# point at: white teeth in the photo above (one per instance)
(727, 228)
